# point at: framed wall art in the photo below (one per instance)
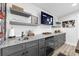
(68, 24)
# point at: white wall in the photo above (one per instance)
(30, 8)
(72, 34)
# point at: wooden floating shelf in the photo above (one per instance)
(28, 24)
(19, 13)
(17, 23)
(22, 24)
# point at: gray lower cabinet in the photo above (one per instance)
(59, 40)
(31, 51)
(32, 48)
(42, 50)
(11, 50)
(50, 41)
(56, 41)
(26, 49)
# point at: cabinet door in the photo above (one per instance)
(63, 37)
(42, 50)
(60, 40)
(56, 39)
(50, 41)
(12, 49)
(0, 52)
(32, 51)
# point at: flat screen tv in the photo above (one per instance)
(46, 19)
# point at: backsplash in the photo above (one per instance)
(25, 29)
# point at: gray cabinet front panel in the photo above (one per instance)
(56, 41)
(31, 48)
(60, 40)
(41, 40)
(50, 41)
(32, 51)
(42, 51)
(12, 49)
(32, 43)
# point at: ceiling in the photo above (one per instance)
(58, 9)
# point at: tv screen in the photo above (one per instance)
(46, 19)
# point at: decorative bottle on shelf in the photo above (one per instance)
(11, 33)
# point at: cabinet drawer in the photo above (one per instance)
(41, 40)
(12, 49)
(49, 38)
(32, 43)
(32, 51)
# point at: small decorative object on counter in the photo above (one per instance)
(46, 33)
(30, 33)
(57, 31)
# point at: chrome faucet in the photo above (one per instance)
(22, 34)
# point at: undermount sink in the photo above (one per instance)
(23, 38)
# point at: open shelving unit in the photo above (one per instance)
(56, 26)
(20, 12)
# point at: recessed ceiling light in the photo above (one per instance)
(74, 4)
